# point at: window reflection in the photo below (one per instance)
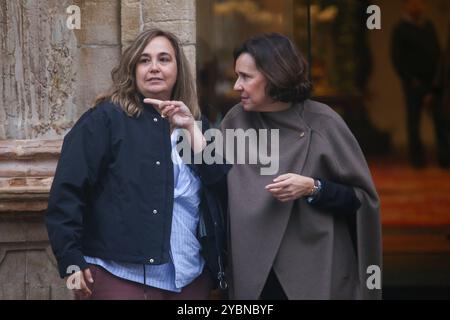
(222, 26)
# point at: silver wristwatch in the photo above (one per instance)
(315, 191)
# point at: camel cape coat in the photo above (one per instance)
(315, 253)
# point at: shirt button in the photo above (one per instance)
(155, 211)
(151, 260)
(158, 163)
(154, 119)
(302, 134)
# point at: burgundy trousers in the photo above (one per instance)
(107, 286)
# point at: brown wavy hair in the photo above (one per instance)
(124, 91)
(285, 68)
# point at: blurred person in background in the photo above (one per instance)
(416, 53)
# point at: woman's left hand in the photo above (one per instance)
(290, 186)
(176, 112)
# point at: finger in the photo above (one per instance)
(82, 292)
(275, 190)
(85, 289)
(153, 101)
(281, 184)
(279, 193)
(282, 177)
(177, 103)
(182, 106)
(166, 108)
(159, 103)
(171, 113)
(165, 103)
(284, 197)
(88, 275)
(280, 197)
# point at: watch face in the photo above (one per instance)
(319, 184)
(317, 187)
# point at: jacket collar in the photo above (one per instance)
(146, 107)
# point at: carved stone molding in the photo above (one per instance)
(26, 173)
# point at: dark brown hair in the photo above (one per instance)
(124, 91)
(281, 63)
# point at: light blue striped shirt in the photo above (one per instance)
(185, 263)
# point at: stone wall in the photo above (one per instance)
(27, 265)
(50, 75)
(38, 69)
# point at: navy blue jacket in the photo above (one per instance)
(112, 195)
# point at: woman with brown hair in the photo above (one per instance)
(312, 230)
(125, 212)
